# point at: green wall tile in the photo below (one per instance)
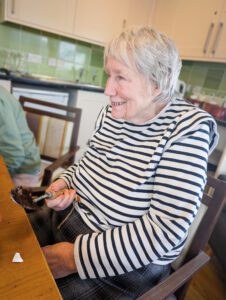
(70, 59)
(59, 56)
(213, 78)
(94, 75)
(2, 57)
(82, 74)
(83, 54)
(104, 79)
(187, 63)
(77, 72)
(198, 75)
(214, 65)
(97, 57)
(50, 45)
(65, 71)
(222, 86)
(66, 50)
(185, 73)
(47, 69)
(10, 36)
(30, 40)
(209, 76)
(33, 68)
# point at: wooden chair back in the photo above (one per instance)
(213, 201)
(221, 166)
(55, 128)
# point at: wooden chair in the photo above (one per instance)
(221, 166)
(55, 128)
(193, 256)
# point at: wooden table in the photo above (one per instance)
(32, 278)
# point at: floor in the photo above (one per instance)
(208, 284)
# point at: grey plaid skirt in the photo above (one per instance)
(52, 227)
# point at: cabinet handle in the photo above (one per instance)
(13, 7)
(217, 37)
(208, 37)
(124, 24)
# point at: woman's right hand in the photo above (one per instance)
(64, 200)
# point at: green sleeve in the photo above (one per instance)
(11, 145)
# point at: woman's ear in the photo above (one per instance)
(156, 91)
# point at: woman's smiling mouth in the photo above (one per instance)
(117, 103)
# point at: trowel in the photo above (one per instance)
(23, 196)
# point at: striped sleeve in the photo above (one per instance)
(157, 235)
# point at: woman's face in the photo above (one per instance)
(130, 96)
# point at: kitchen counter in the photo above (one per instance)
(50, 82)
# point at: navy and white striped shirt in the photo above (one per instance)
(140, 188)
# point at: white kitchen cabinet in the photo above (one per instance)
(95, 21)
(139, 12)
(100, 20)
(52, 15)
(198, 27)
(91, 104)
(220, 47)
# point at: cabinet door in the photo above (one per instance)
(99, 20)
(139, 12)
(52, 15)
(192, 24)
(195, 28)
(163, 16)
(219, 46)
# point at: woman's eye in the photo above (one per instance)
(119, 77)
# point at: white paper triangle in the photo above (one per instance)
(17, 258)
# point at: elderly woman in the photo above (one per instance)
(139, 183)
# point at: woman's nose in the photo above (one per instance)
(110, 88)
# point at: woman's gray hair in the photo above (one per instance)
(152, 54)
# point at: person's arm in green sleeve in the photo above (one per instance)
(11, 146)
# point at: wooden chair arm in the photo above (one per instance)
(175, 280)
(55, 165)
(61, 160)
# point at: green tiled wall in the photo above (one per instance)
(41, 53)
(206, 77)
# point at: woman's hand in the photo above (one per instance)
(62, 201)
(60, 258)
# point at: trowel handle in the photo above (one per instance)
(53, 195)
